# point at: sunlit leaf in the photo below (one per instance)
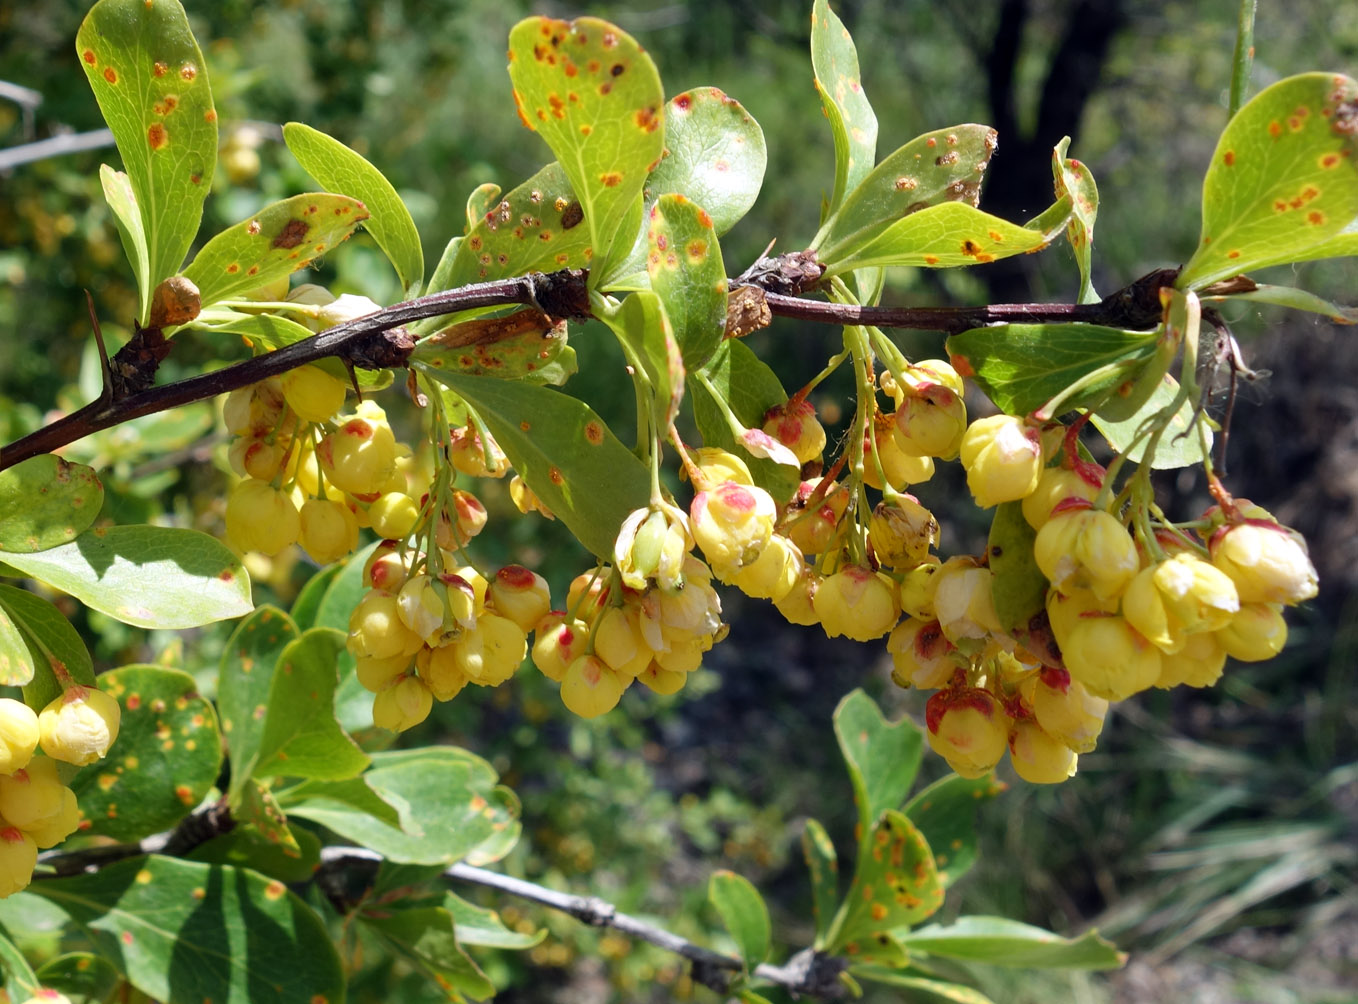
(1296, 299)
(743, 913)
(45, 634)
(523, 345)
(151, 83)
(997, 941)
(427, 936)
(945, 813)
(1074, 179)
(942, 236)
(895, 885)
(122, 200)
(244, 680)
(882, 757)
(852, 122)
(1283, 179)
(1180, 445)
(686, 271)
(476, 925)
(46, 501)
(340, 169)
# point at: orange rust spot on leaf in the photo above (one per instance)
(1330, 160)
(233, 268)
(188, 72)
(931, 259)
(1228, 158)
(88, 56)
(610, 179)
(931, 142)
(1275, 129)
(291, 235)
(557, 478)
(647, 120)
(1233, 254)
(703, 219)
(110, 74)
(594, 433)
(1315, 217)
(586, 129)
(157, 136)
(159, 69)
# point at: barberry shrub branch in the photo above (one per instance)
(1087, 593)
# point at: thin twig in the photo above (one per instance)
(54, 146)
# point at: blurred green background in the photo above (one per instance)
(1212, 834)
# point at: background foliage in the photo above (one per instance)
(1214, 830)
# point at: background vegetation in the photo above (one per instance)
(1213, 834)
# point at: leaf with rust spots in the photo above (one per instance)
(823, 865)
(685, 267)
(852, 122)
(937, 168)
(173, 924)
(895, 885)
(244, 681)
(591, 483)
(525, 231)
(941, 236)
(523, 345)
(340, 169)
(1073, 179)
(273, 243)
(426, 936)
(151, 83)
(32, 633)
(1283, 181)
(46, 501)
(594, 95)
(945, 813)
(167, 757)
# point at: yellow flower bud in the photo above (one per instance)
(376, 630)
(312, 393)
(901, 531)
(491, 651)
(968, 728)
(376, 675)
(732, 524)
(1003, 458)
(591, 688)
(261, 518)
(394, 515)
(559, 640)
(1178, 597)
(1268, 563)
(1054, 486)
(774, 572)
(329, 530)
(444, 673)
(78, 727)
(795, 425)
(662, 680)
(921, 655)
(403, 705)
(18, 858)
(1110, 657)
(1257, 632)
(1037, 757)
(1065, 709)
(964, 603)
(1197, 664)
(18, 734)
(930, 420)
(856, 602)
(1084, 548)
(53, 829)
(32, 796)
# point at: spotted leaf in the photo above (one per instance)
(292, 859)
(823, 865)
(941, 236)
(1023, 366)
(524, 345)
(244, 680)
(938, 167)
(426, 936)
(340, 169)
(563, 450)
(40, 634)
(945, 813)
(476, 925)
(1073, 178)
(150, 80)
(301, 737)
(46, 501)
(184, 931)
(273, 243)
(686, 271)
(594, 95)
(895, 885)
(882, 757)
(714, 155)
(852, 122)
(168, 754)
(1283, 181)
(147, 576)
(80, 974)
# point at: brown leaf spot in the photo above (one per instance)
(110, 74)
(594, 433)
(1315, 217)
(610, 179)
(274, 890)
(159, 69)
(906, 184)
(606, 88)
(292, 234)
(571, 216)
(88, 56)
(616, 70)
(947, 159)
(1228, 158)
(1330, 160)
(1233, 254)
(1275, 129)
(157, 136)
(557, 478)
(188, 72)
(647, 120)
(233, 268)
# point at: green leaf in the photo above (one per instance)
(594, 95)
(852, 122)
(340, 169)
(478, 926)
(16, 662)
(942, 236)
(147, 576)
(686, 271)
(1342, 245)
(80, 974)
(289, 860)
(308, 602)
(750, 388)
(427, 936)
(743, 912)
(127, 218)
(563, 450)
(714, 155)
(642, 326)
(301, 737)
(997, 941)
(882, 758)
(932, 169)
(350, 795)
(1018, 586)
(1283, 179)
(259, 810)
(244, 680)
(895, 885)
(353, 704)
(273, 243)
(823, 864)
(945, 813)
(1074, 179)
(167, 756)
(750, 997)
(1297, 299)
(1023, 366)
(954, 993)
(150, 80)
(45, 501)
(43, 634)
(535, 228)
(524, 345)
(1180, 446)
(448, 801)
(184, 931)
(20, 981)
